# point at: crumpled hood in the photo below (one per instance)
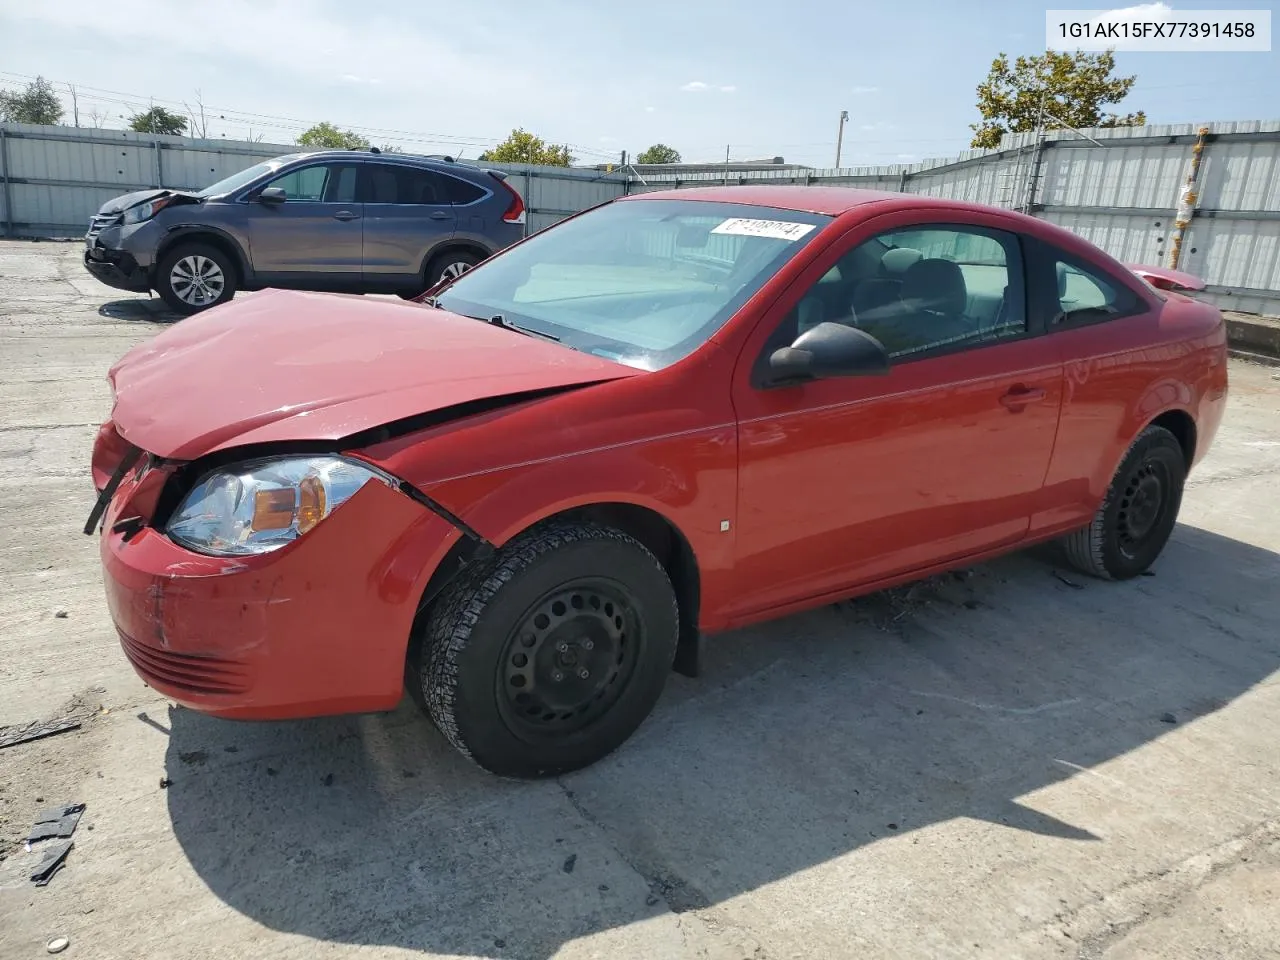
(282, 365)
(120, 204)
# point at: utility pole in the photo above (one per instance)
(844, 116)
(726, 163)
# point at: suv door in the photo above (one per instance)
(314, 239)
(845, 482)
(408, 212)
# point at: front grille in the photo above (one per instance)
(185, 671)
(101, 222)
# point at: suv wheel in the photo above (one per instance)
(195, 276)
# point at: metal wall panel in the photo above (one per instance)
(1120, 195)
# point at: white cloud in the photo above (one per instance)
(694, 86)
(1141, 13)
(608, 139)
(865, 90)
(650, 109)
(729, 89)
(906, 156)
(352, 78)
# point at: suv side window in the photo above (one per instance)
(1085, 296)
(922, 290)
(460, 192)
(322, 182)
(394, 183)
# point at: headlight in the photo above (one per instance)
(145, 211)
(262, 505)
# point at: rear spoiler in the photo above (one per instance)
(1162, 278)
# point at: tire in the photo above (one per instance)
(195, 260)
(548, 656)
(1138, 514)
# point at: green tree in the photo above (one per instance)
(329, 137)
(659, 153)
(1071, 88)
(36, 104)
(524, 147)
(158, 120)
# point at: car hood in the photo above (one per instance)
(122, 203)
(280, 365)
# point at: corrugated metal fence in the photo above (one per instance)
(1118, 188)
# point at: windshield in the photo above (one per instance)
(238, 180)
(642, 282)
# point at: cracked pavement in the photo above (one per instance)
(982, 765)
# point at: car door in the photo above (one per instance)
(407, 213)
(314, 239)
(852, 481)
(1102, 328)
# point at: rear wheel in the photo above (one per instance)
(549, 656)
(195, 276)
(446, 266)
(1138, 514)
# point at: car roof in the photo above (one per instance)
(831, 201)
(416, 158)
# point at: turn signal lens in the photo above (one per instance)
(311, 502)
(273, 509)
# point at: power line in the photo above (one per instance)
(289, 124)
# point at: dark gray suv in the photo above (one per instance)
(337, 220)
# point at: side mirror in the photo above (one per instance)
(271, 196)
(828, 350)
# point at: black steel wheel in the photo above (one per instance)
(567, 661)
(548, 656)
(1138, 515)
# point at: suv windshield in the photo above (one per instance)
(642, 282)
(238, 180)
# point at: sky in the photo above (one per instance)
(759, 78)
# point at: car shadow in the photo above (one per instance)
(139, 310)
(805, 739)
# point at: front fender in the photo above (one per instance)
(689, 480)
(180, 231)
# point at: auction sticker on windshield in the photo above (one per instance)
(773, 229)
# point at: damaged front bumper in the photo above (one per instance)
(318, 627)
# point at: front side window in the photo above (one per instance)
(920, 290)
(237, 180)
(328, 183)
(642, 282)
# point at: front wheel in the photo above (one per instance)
(1138, 514)
(548, 657)
(195, 276)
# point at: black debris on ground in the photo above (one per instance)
(55, 856)
(12, 736)
(193, 757)
(165, 783)
(56, 822)
(570, 862)
(1069, 582)
(1168, 718)
(328, 780)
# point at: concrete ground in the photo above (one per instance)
(1016, 762)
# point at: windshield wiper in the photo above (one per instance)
(498, 320)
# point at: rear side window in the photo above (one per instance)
(1084, 295)
(387, 183)
(460, 192)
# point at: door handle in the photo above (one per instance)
(344, 215)
(1019, 396)
(439, 215)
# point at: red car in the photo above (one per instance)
(531, 493)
